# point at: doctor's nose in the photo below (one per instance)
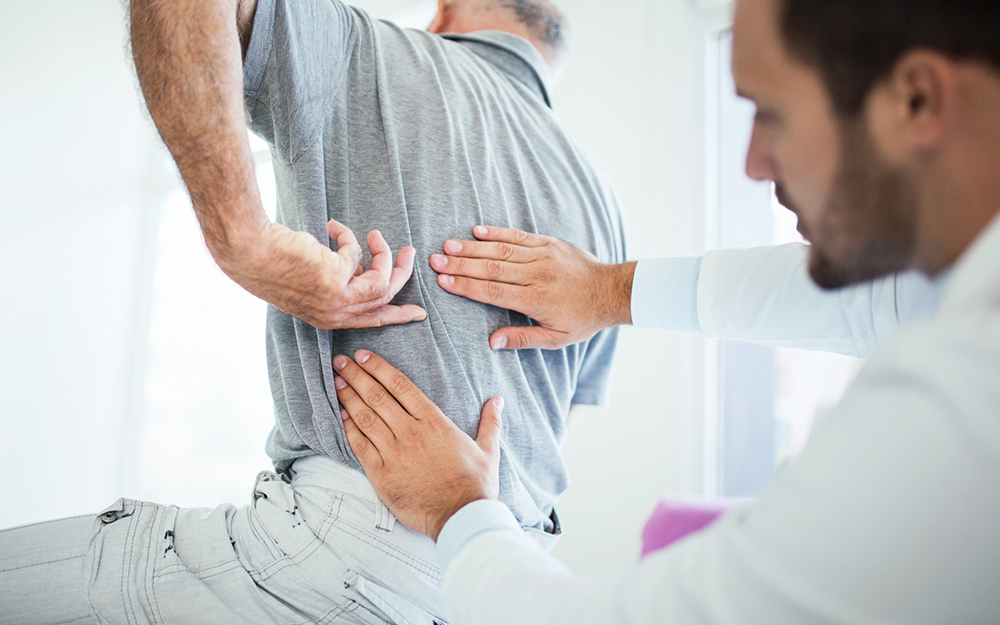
(759, 164)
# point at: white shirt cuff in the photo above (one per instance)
(665, 294)
(478, 517)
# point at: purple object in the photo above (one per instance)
(676, 516)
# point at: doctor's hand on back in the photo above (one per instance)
(421, 465)
(567, 291)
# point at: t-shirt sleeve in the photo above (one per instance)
(297, 59)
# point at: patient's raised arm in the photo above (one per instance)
(189, 61)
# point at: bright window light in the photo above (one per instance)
(763, 401)
(207, 405)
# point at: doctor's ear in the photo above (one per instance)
(917, 103)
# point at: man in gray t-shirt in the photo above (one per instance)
(423, 137)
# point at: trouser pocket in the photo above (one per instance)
(385, 604)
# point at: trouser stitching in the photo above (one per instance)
(284, 560)
(126, 553)
(391, 550)
(33, 564)
(154, 526)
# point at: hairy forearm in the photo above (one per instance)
(615, 299)
(189, 63)
(189, 60)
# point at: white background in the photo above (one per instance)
(87, 413)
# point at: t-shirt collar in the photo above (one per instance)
(535, 78)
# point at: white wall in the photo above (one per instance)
(634, 97)
(75, 175)
(79, 167)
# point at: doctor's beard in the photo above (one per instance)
(867, 227)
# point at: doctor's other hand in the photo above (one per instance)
(327, 289)
(421, 465)
(565, 289)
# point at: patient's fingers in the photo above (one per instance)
(495, 270)
(348, 247)
(402, 270)
(381, 255)
(386, 315)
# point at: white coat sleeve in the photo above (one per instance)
(765, 295)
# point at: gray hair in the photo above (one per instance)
(545, 22)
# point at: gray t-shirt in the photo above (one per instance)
(423, 137)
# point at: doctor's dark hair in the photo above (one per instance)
(856, 43)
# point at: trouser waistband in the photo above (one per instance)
(325, 472)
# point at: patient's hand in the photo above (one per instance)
(571, 294)
(306, 279)
(422, 466)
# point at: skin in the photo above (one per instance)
(929, 133)
(466, 16)
(937, 120)
(189, 60)
(471, 15)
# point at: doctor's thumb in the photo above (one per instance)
(490, 425)
(527, 337)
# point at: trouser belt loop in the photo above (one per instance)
(384, 520)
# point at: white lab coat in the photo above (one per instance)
(890, 514)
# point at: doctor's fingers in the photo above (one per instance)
(361, 416)
(415, 404)
(365, 398)
(366, 452)
(510, 235)
(507, 252)
(496, 270)
(515, 297)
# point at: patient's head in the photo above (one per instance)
(538, 21)
(879, 121)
